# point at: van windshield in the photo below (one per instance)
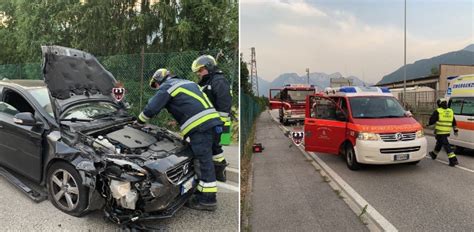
(296, 95)
(376, 107)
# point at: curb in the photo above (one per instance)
(232, 174)
(368, 214)
(247, 204)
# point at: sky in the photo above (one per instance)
(363, 38)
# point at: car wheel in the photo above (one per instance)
(65, 189)
(351, 159)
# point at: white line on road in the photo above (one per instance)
(376, 217)
(227, 186)
(457, 166)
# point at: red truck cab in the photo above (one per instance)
(290, 101)
(365, 124)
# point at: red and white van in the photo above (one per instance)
(365, 124)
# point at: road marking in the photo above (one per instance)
(457, 166)
(228, 186)
(380, 222)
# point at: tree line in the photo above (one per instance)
(110, 27)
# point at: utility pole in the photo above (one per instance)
(307, 74)
(405, 58)
(253, 72)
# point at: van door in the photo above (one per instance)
(463, 108)
(325, 125)
(275, 99)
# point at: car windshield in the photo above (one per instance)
(376, 107)
(90, 111)
(298, 95)
(42, 97)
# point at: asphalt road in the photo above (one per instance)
(288, 194)
(19, 213)
(430, 196)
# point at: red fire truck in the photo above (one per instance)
(290, 101)
(367, 125)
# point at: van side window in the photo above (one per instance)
(468, 107)
(456, 105)
(462, 106)
(343, 105)
(324, 109)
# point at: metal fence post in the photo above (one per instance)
(142, 63)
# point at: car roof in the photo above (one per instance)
(24, 84)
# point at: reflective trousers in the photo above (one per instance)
(442, 141)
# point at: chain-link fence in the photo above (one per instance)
(421, 104)
(134, 71)
(250, 107)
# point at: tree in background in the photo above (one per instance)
(116, 27)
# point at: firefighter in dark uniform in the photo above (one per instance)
(198, 120)
(217, 88)
(444, 119)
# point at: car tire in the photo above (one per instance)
(351, 159)
(65, 189)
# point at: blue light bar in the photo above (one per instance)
(385, 90)
(348, 90)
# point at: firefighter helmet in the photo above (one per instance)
(206, 61)
(159, 77)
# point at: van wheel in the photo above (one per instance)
(458, 149)
(351, 159)
(65, 189)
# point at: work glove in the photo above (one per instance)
(456, 131)
(138, 124)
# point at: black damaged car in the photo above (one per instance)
(70, 135)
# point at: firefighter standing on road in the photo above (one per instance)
(217, 88)
(198, 120)
(444, 119)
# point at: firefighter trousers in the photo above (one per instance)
(442, 142)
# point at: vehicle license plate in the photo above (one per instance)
(400, 157)
(187, 185)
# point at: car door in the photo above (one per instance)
(20, 146)
(275, 99)
(325, 125)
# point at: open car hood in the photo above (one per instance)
(72, 75)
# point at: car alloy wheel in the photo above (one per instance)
(65, 190)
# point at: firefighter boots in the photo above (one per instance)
(453, 161)
(203, 201)
(433, 155)
(220, 170)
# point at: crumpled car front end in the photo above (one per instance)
(141, 174)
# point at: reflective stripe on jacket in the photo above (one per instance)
(186, 102)
(445, 121)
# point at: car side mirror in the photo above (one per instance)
(408, 114)
(26, 119)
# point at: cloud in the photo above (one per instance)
(296, 7)
(297, 35)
